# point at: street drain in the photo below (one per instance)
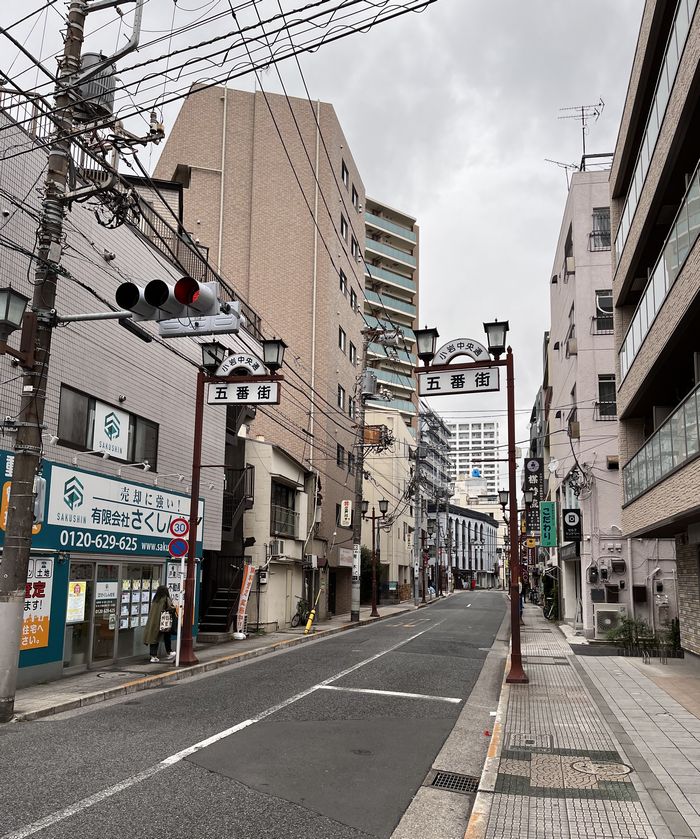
(454, 782)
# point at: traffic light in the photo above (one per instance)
(186, 308)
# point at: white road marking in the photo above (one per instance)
(96, 798)
(452, 699)
(468, 605)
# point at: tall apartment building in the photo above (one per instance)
(273, 192)
(474, 448)
(655, 192)
(391, 300)
(601, 576)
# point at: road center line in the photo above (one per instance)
(402, 694)
(96, 798)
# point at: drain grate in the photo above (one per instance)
(455, 782)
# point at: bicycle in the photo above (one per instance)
(302, 613)
(549, 608)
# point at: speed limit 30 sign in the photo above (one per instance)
(179, 527)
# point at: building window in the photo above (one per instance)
(607, 399)
(599, 239)
(283, 514)
(355, 198)
(78, 416)
(341, 397)
(354, 248)
(343, 227)
(603, 312)
(343, 283)
(340, 456)
(344, 174)
(352, 407)
(341, 338)
(351, 463)
(352, 353)
(353, 300)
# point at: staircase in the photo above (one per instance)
(214, 625)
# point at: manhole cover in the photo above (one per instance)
(455, 782)
(602, 770)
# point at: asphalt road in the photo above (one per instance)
(328, 739)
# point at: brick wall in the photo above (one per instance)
(688, 568)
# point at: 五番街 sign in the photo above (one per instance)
(476, 380)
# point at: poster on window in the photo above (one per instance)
(37, 605)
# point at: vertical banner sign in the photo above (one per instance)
(248, 574)
(534, 481)
(37, 605)
(346, 513)
(356, 557)
(571, 521)
(548, 524)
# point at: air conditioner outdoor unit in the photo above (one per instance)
(574, 429)
(571, 347)
(606, 617)
(570, 265)
(277, 547)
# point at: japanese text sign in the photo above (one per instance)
(37, 604)
(464, 380)
(533, 480)
(548, 524)
(243, 393)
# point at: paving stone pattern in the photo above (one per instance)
(561, 775)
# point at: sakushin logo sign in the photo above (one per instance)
(111, 431)
(73, 492)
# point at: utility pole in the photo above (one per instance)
(18, 533)
(417, 528)
(357, 511)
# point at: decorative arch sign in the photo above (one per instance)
(464, 378)
(241, 364)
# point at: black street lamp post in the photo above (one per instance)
(383, 508)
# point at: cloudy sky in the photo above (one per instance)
(450, 115)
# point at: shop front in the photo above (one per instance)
(98, 555)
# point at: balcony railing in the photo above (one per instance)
(391, 302)
(680, 241)
(377, 273)
(393, 354)
(390, 226)
(599, 240)
(673, 444)
(605, 410)
(390, 252)
(674, 49)
(283, 521)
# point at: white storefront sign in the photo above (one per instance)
(465, 380)
(111, 431)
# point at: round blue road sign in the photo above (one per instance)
(178, 547)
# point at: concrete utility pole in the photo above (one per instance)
(359, 475)
(417, 552)
(18, 532)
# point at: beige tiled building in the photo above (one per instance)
(274, 194)
(655, 210)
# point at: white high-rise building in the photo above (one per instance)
(474, 452)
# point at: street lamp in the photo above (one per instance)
(426, 341)
(213, 354)
(503, 499)
(383, 508)
(528, 497)
(273, 353)
(496, 332)
(13, 317)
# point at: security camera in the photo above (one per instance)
(5, 213)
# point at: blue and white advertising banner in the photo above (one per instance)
(91, 513)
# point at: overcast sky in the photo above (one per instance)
(450, 115)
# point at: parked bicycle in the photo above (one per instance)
(550, 608)
(302, 613)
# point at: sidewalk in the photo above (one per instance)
(112, 681)
(592, 747)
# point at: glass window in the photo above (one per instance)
(352, 353)
(145, 447)
(604, 310)
(641, 460)
(340, 455)
(73, 417)
(662, 93)
(681, 26)
(341, 338)
(607, 401)
(355, 198)
(283, 515)
(672, 56)
(344, 174)
(665, 449)
(659, 281)
(343, 282)
(654, 460)
(343, 227)
(354, 248)
(341, 397)
(693, 201)
(353, 300)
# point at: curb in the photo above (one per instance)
(479, 818)
(148, 682)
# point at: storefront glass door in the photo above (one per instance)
(76, 646)
(139, 584)
(105, 612)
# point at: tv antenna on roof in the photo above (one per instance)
(584, 113)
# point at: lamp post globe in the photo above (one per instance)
(12, 307)
(426, 341)
(273, 353)
(496, 332)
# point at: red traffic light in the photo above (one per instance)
(200, 297)
(187, 291)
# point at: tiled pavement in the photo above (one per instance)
(591, 747)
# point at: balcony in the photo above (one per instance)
(389, 302)
(390, 253)
(375, 323)
(401, 405)
(685, 10)
(670, 447)
(680, 241)
(394, 379)
(377, 273)
(392, 354)
(390, 227)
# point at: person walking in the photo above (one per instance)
(160, 623)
